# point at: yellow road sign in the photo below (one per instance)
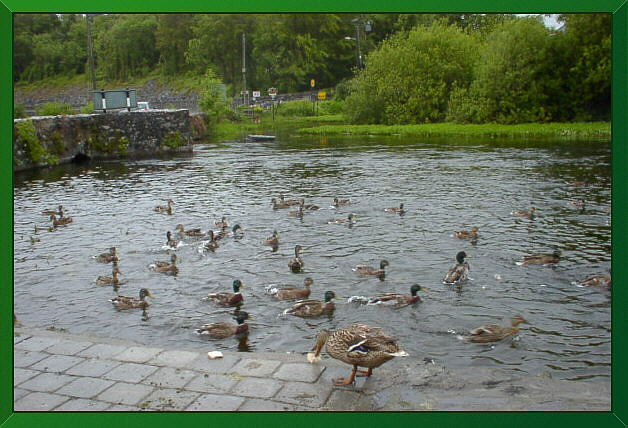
(312, 83)
(322, 95)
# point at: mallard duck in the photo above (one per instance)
(224, 232)
(312, 308)
(540, 259)
(288, 201)
(171, 242)
(109, 280)
(466, 234)
(297, 213)
(458, 272)
(527, 214)
(579, 184)
(221, 330)
(212, 244)
(279, 205)
(349, 220)
(229, 299)
(190, 232)
(296, 263)
(288, 293)
(58, 212)
(579, 204)
(341, 202)
(61, 221)
(165, 208)
(369, 270)
(493, 333)
(397, 300)
(222, 223)
(396, 210)
(166, 267)
(272, 240)
(596, 280)
(111, 256)
(359, 345)
(125, 302)
(34, 239)
(305, 206)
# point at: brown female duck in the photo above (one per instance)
(596, 280)
(458, 272)
(171, 242)
(109, 280)
(61, 221)
(493, 333)
(540, 259)
(111, 256)
(125, 302)
(272, 240)
(58, 212)
(397, 300)
(297, 213)
(166, 209)
(166, 267)
(229, 299)
(531, 213)
(349, 220)
(212, 244)
(190, 232)
(341, 202)
(369, 270)
(296, 263)
(311, 207)
(312, 308)
(467, 234)
(396, 210)
(222, 223)
(359, 345)
(222, 330)
(287, 293)
(280, 205)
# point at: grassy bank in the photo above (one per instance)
(598, 130)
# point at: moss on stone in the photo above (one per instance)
(27, 138)
(57, 146)
(173, 140)
(116, 146)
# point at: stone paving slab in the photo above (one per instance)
(257, 387)
(215, 383)
(68, 347)
(37, 343)
(137, 354)
(174, 358)
(170, 377)
(302, 372)
(130, 372)
(169, 399)
(220, 365)
(82, 405)
(92, 367)
(21, 375)
(125, 393)
(102, 350)
(212, 402)
(304, 394)
(23, 358)
(39, 401)
(46, 382)
(19, 337)
(19, 393)
(57, 363)
(259, 405)
(253, 367)
(85, 387)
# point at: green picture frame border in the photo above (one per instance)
(617, 417)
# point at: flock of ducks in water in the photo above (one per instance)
(358, 345)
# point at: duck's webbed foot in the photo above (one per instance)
(341, 381)
(365, 373)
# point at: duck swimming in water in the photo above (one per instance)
(111, 256)
(596, 280)
(61, 221)
(540, 259)
(190, 232)
(166, 267)
(272, 240)
(341, 202)
(125, 302)
(395, 299)
(312, 308)
(466, 234)
(229, 299)
(493, 333)
(296, 263)
(458, 272)
(396, 210)
(167, 209)
(222, 330)
(287, 293)
(368, 270)
(349, 220)
(58, 212)
(109, 280)
(530, 214)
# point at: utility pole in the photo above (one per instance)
(357, 40)
(91, 63)
(244, 67)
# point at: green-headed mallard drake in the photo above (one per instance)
(125, 302)
(397, 300)
(312, 308)
(58, 212)
(341, 202)
(493, 333)
(212, 244)
(166, 267)
(396, 210)
(297, 213)
(531, 213)
(171, 242)
(458, 272)
(109, 280)
(61, 221)
(296, 263)
(467, 234)
(272, 240)
(369, 270)
(221, 330)
(190, 232)
(359, 345)
(596, 280)
(229, 299)
(167, 209)
(222, 223)
(349, 220)
(111, 256)
(236, 230)
(279, 205)
(287, 293)
(540, 259)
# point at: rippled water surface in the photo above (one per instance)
(445, 186)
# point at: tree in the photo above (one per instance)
(174, 31)
(212, 100)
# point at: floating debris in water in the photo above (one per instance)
(497, 277)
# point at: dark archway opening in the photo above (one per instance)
(80, 158)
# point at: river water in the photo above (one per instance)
(445, 185)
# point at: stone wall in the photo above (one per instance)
(48, 140)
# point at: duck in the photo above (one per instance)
(165, 208)
(109, 280)
(58, 212)
(397, 300)
(312, 308)
(493, 333)
(308, 206)
(296, 263)
(579, 204)
(222, 223)
(297, 213)
(368, 270)
(166, 267)
(190, 232)
(579, 184)
(212, 244)
(125, 302)
(525, 213)
(540, 259)
(222, 330)
(280, 205)
(111, 256)
(467, 234)
(341, 202)
(396, 210)
(272, 240)
(229, 299)
(61, 221)
(236, 230)
(349, 220)
(34, 239)
(458, 272)
(289, 201)
(359, 345)
(596, 280)
(288, 293)
(171, 242)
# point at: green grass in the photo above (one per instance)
(566, 130)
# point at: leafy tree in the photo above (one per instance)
(213, 101)
(172, 36)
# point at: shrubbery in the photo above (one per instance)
(54, 109)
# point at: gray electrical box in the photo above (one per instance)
(119, 98)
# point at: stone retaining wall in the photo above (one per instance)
(49, 140)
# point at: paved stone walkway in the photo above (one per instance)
(58, 371)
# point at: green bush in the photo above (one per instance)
(27, 138)
(213, 100)
(18, 111)
(88, 108)
(330, 107)
(297, 108)
(54, 109)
